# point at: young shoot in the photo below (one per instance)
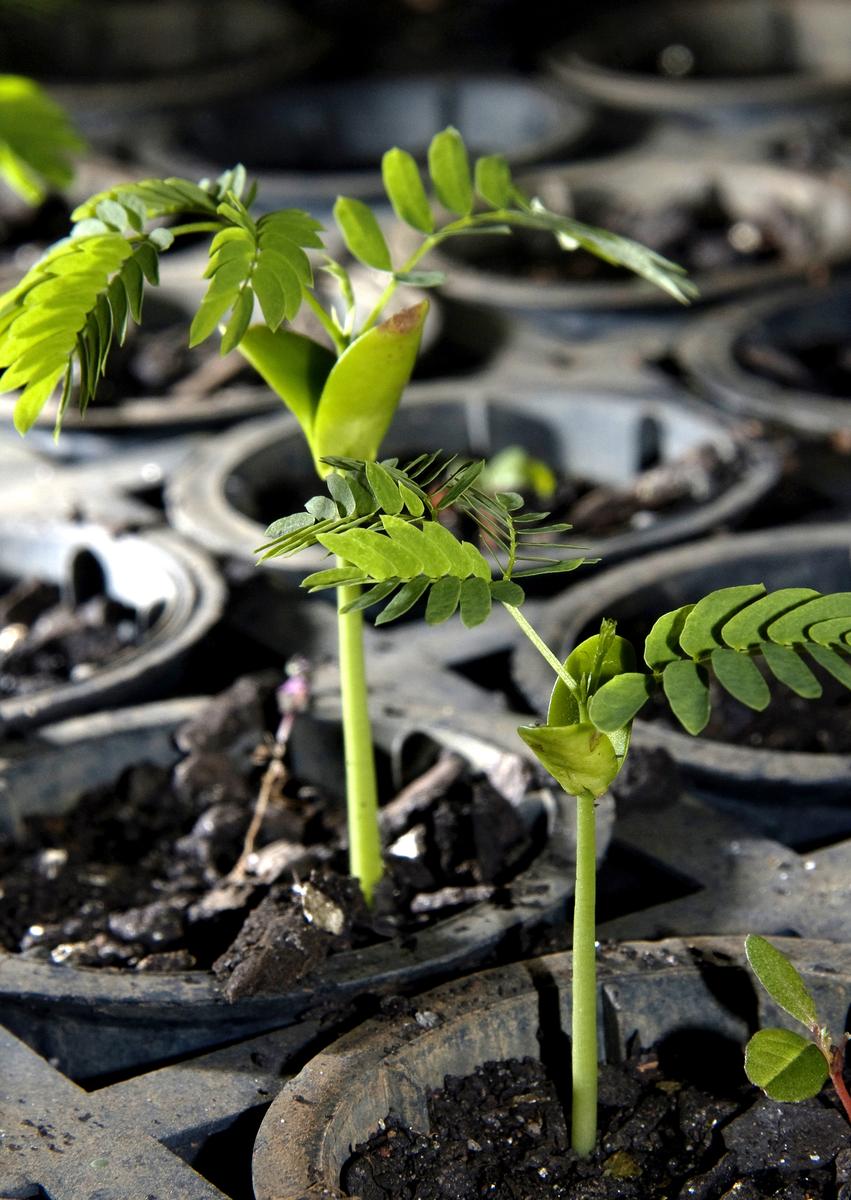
(784, 1064)
(385, 531)
(59, 324)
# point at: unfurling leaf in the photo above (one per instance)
(364, 388)
(618, 701)
(579, 757)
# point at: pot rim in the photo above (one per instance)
(196, 493)
(392, 1062)
(706, 350)
(201, 595)
(572, 63)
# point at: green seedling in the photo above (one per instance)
(381, 519)
(386, 535)
(784, 1064)
(37, 141)
(58, 325)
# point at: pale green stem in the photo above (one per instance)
(584, 999)
(455, 227)
(365, 862)
(543, 649)
(340, 343)
(196, 227)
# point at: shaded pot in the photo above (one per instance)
(779, 360)
(649, 994)
(98, 1021)
(711, 60)
(303, 147)
(119, 60)
(170, 592)
(224, 496)
(800, 797)
(789, 223)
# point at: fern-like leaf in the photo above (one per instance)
(724, 636)
(66, 312)
(264, 258)
(456, 185)
(382, 523)
(37, 140)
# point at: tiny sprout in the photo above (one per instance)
(786, 1065)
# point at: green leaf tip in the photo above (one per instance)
(781, 980)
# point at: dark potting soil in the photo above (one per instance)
(45, 641)
(501, 1133)
(817, 364)
(701, 234)
(141, 874)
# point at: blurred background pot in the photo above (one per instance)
(305, 149)
(784, 361)
(224, 496)
(710, 61)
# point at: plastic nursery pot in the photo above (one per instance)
(708, 61)
(115, 61)
(225, 496)
(305, 148)
(650, 993)
(170, 597)
(782, 360)
(736, 226)
(799, 796)
(97, 1021)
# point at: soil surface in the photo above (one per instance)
(45, 641)
(668, 1129)
(702, 234)
(816, 364)
(146, 874)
